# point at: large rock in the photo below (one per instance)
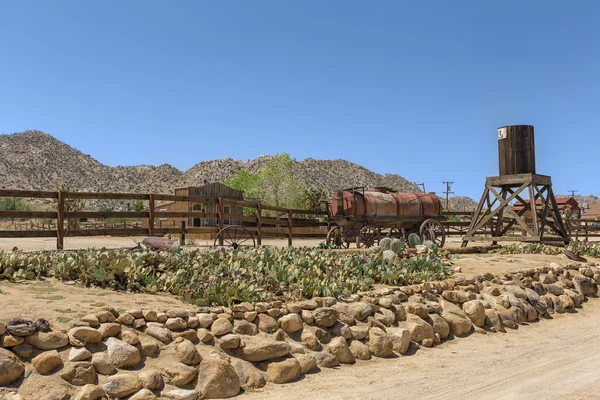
(89, 392)
(243, 327)
(291, 323)
(400, 339)
(79, 354)
(325, 316)
(79, 373)
(230, 341)
(109, 329)
(584, 286)
(458, 321)
(417, 309)
(361, 351)
(122, 354)
(309, 339)
(48, 340)
(121, 385)
(144, 394)
(419, 329)
(307, 362)
(380, 344)
(385, 316)
(150, 346)
(493, 321)
(257, 348)
(266, 323)
(21, 327)
(46, 362)
(440, 325)
(10, 367)
(250, 376)
(554, 289)
(359, 331)
(180, 394)
(151, 379)
(176, 323)
(103, 364)
(217, 379)
(360, 310)
(339, 348)
(23, 350)
(221, 326)
(82, 335)
(326, 360)
(179, 374)
(162, 334)
(284, 371)
(456, 296)
(475, 310)
(187, 352)
(8, 340)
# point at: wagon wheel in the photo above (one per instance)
(369, 236)
(433, 230)
(235, 236)
(335, 238)
(394, 233)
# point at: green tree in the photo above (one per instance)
(138, 206)
(13, 204)
(273, 184)
(313, 198)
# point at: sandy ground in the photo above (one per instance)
(115, 242)
(550, 359)
(110, 242)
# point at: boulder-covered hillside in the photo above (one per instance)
(35, 160)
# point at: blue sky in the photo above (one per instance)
(414, 88)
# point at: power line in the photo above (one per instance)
(422, 185)
(573, 193)
(448, 192)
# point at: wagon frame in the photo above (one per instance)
(366, 231)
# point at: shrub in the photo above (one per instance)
(219, 276)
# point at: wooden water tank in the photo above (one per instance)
(516, 150)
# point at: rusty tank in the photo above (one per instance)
(365, 216)
(379, 203)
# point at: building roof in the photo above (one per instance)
(561, 202)
(592, 213)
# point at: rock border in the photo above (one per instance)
(213, 352)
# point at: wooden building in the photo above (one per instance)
(215, 189)
(566, 205)
(592, 213)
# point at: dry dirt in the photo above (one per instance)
(553, 359)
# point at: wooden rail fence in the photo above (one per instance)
(286, 222)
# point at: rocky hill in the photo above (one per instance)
(34, 160)
(462, 203)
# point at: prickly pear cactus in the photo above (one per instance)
(388, 256)
(385, 243)
(413, 240)
(397, 245)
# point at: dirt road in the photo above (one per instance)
(551, 359)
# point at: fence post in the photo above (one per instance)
(60, 221)
(151, 215)
(259, 224)
(221, 219)
(289, 227)
(182, 238)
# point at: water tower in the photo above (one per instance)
(518, 197)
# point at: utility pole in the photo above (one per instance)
(422, 185)
(448, 192)
(572, 193)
